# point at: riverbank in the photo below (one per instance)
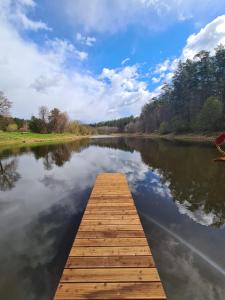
(29, 138)
(18, 139)
(209, 138)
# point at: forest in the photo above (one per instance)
(194, 100)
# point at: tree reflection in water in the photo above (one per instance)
(8, 175)
(58, 154)
(195, 182)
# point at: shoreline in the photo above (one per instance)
(17, 139)
(8, 139)
(200, 138)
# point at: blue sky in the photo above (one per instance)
(99, 59)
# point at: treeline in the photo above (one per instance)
(116, 125)
(53, 121)
(194, 101)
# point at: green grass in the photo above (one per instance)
(21, 138)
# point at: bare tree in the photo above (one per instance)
(5, 104)
(43, 113)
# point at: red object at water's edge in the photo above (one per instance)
(220, 139)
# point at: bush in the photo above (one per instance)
(36, 125)
(73, 127)
(179, 126)
(12, 127)
(79, 129)
(164, 128)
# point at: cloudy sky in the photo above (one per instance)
(99, 59)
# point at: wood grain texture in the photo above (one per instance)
(136, 290)
(110, 262)
(110, 257)
(110, 275)
(110, 251)
(107, 242)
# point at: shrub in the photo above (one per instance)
(12, 127)
(164, 128)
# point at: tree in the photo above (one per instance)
(43, 115)
(35, 125)
(193, 100)
(5, 104)
(57, 121)
(210, 117)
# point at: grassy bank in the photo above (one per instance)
(29, 138)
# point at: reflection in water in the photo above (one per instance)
(8, 175)
(58, 155)
(185, 243)
(176, 185)
(187, 173)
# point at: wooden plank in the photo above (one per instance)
(108, 204)
(109, 251)
(135, 227)
(110, 242)
(137, 290)
(122, 212)
(109, 217)
(145, 261)
(111, 222)
(123, 209)
(110, 275)
(109, 234)
(110, 257)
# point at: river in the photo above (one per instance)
(178, 189)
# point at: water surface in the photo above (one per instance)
(180, 196)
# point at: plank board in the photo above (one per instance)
(110, 242)
(110, 257)
(130, 221)
(110, 262)
(109, 251)
(111, 290)
(110, 275)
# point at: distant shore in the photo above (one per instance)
(18, 139)
(179, 137)
(8, 139)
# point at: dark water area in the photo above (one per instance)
(178, 189)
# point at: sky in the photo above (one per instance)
(99, 59)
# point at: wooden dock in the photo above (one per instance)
(110, 257)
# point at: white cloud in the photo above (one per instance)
(29, 24)
(111, 16)
(199, 215)
(17, 12)
(86, 40)
(31, 76)
(156, 79)
(123, 62)
(162, 67)
(206, 39)
(165, 70)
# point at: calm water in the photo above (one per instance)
(178, 189)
